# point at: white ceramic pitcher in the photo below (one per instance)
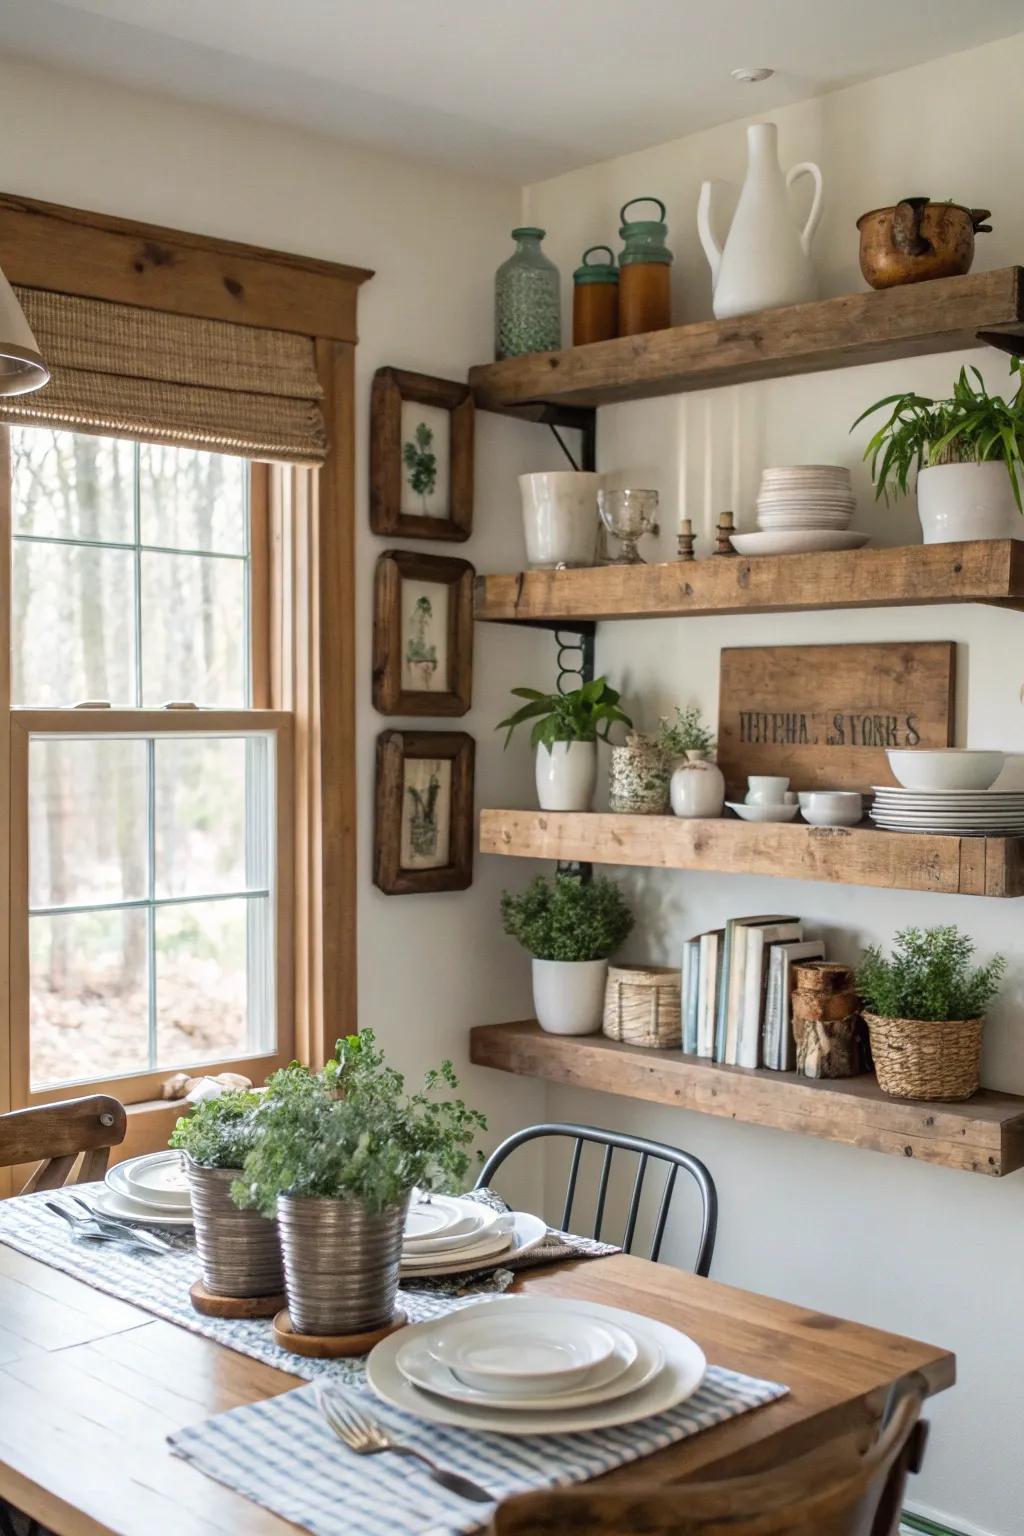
(766, 261)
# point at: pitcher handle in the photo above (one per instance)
(808, 168)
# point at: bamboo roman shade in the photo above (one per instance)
(144, 373)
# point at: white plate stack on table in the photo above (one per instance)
(946, 790)
(802, 508)
(448, 1235)
(151, 1191)
(523, 1365)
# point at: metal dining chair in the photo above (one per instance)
(646, 1152)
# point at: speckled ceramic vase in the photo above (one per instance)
(638, 779)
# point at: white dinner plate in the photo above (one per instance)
(109, 1203)
(527, 1231)
(439, 1215)
(116, 1180)
(796, 541)
(681, 1374)
(480, 1222)
(531, 1349)
(159, 1179)
(967, 796)
(492, 1243)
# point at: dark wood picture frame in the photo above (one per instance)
(392, 386)
(394, 567)
(394, 749)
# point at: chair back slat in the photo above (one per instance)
(56, 1135)
(634, 1204)
(602, 1190)
(570, 1191)
(663, 1210)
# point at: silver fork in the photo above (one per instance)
(82, 1226)
(122, 1229)
(367, 1438)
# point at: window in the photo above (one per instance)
(150, 800)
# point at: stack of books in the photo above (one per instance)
(736, 990)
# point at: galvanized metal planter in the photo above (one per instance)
(238, 1250)
(340, 1263)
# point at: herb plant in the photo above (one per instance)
(928, 976)
(583, 714)
(219, 1132)
(687, 734)
(970, 427)
(421, 463)
(351, 1132)
(567, 918)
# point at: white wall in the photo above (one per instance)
(929, 1252)
(430, 966)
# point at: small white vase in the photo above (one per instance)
(566, 775)
(698, 788)
(568, 995)
(766, 261)
(560, 517)
(967, 501)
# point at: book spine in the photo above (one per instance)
(689, 995)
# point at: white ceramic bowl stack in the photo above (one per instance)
(523, 1365)
(946, 790)
(446, 1235)
(151, 1191)
(802, 508)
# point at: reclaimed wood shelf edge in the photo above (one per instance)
(864, 855)
(938, 316)
(981, 571)
(984, 1135)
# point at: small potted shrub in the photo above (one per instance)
(697, 786)
(925, 1010)
(570, 927)
(239, 1254)
(969, 455)
(566, 730)
(336, 1156)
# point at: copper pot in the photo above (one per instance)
(917, 240)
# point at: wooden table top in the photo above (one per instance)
(90, 1387)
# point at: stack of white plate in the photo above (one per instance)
(802, 507)
(524, 1365)
(446, 1235)
(963, 812)
(151, 1190)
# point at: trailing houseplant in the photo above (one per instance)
(968, 451)
(925, 1007)
(566, 729)
(336, 1156)
(570, 927)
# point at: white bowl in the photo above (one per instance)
(771, 811)
(832, 807)
(529, 1352)
(945, 768)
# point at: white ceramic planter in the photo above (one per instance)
(967, 501)
(560, 517)
(568, 995)
(566, 775)
(698, 788)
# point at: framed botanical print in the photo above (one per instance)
(422, 634)
(421, 456)
(423, 835)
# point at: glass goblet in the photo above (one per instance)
(628, 515)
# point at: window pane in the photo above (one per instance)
(193, 630)
(88, 996)
(87, 821)
(72, 635)
(71, 485)
(206, 1008)
(204, 787)
(192, 500)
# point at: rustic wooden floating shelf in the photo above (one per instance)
(983, 1135)
(906, 861)
(982, 571)
(947, 314)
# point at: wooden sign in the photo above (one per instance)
(825, 714)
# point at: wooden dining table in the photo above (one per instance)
(90, 1387)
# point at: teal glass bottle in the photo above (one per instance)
(527, 299)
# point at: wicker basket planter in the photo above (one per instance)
(642, 1005)
(923, 1059)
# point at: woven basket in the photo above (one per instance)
(921, 1059)
(642, 1005)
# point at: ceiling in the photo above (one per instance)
(521, 89)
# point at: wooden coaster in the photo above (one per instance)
(210, 1305)
(331, 1346)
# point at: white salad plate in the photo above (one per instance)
(158, 1179)
(477, 1222)
(153, 1202)
(532, 1350)
(764, 810)
(796, 541)
(434, 1247)
(526, 1232)
(439, 1216)
(681, 1373)
(109, 1203)
(493, 1242)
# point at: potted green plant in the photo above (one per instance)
(570, 927)
(924, 1005)
(336, 1156)
(968, 451)
(566, 730)
(239, 1254)
(697, 786)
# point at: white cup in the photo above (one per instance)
(768, 789)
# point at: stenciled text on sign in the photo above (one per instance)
(803, 728)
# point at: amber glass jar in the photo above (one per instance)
(595, 298)
(645, 263)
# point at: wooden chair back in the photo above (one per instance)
(828, 1492)
(56, 1135)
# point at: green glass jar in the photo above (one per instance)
(527, 299)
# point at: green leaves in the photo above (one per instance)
(688, 734)
(218, 1133)
(567, 918)
(584, 714)
(928, 976)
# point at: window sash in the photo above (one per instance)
(28, 724)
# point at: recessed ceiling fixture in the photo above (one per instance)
(748, 76)
(21, 367)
